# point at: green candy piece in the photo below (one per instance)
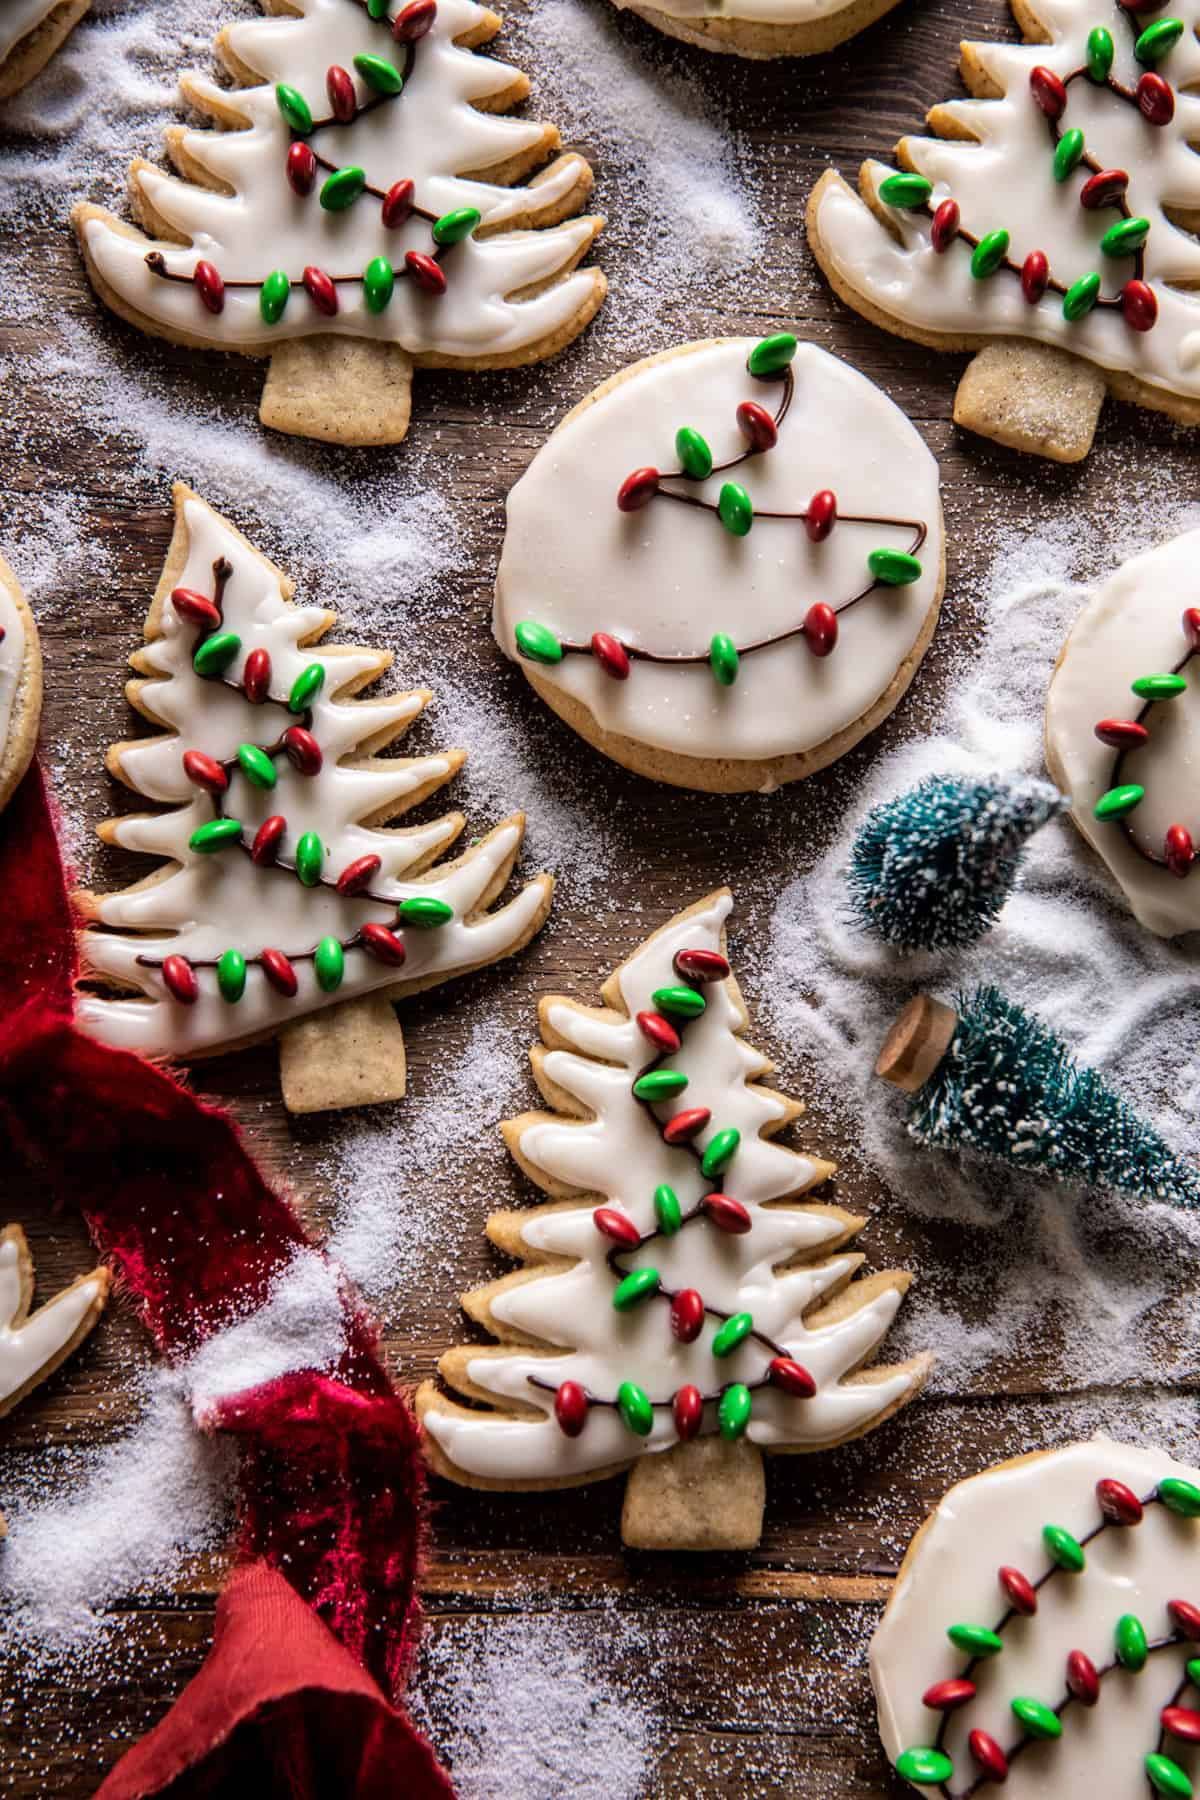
(231, 975)
(1067, 153)
(342, 188)
(1159, 687)
(1182, 1497)
(1157, 39)
(723, 660)
(215, 835)
(1063, 1549)
(721, 1151)
(660, 1084)
(294, 107)
(256, 766)
(975, 1640)
(988, 254)
(1118, 801)
(306, 687)
(683, 1002)
(1130, 1641)
(310, 858)
(771, 355)
(379, 74)
(377, 9)
(537, 643)
(633, 1404)
(925, 1768)
(1166, 1777)
(733, 1332)
(1126, 237)
(454, 226)
(735, 509)
(1080, 297)
(895, 568)
(424, 911)
(1193, 1671)
(1038, 1720)
(637, 1286)
(329, 965)
(667, 1210)
(909, 191)
(1100, 53)
(733, 1411)
(216, 653)
(273, 296)
(694, 453)
(379, 282)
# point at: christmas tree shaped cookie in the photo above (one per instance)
(284, 892)
(682, 1309)
(355, 214)
(20, 683)
(1049, 224)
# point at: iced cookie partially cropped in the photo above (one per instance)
(281, 889)
(1050, 221)
(20, 683)
(33, 1344)
(355, 214)
(1123, 730)
(1044, 1634)
(30, 32)
(760, 28)
(725, 565)
(701, 1313)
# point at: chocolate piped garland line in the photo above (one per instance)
(1120, 1509)
(663, 1028)
(770, 360)
(345, 185)
(214, 653)
(1154, 99)
(1122, 798)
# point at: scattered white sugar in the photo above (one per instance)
(300, 1325)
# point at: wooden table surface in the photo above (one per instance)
(756, 1666)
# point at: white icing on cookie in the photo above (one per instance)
(12, 661)
(1131, 627)
(621, 1157)
(667, 578)
(994, 1521)
(208, 903)
(430, 135)
(18, 18)
(26, 1348)
(762, 12)
(1006, 181)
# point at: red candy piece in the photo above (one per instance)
(757, 426)
(570, 1408)
(1122, 734)
(320, 290)
(1186, 1619)
(384, 945)
(661, 1033)
(1119, 1504)
(988, 1755)
(1191, 627)
(687, 1315)
(196, 608)
(684, 1126)
(205, 771)
(820, 628)
(267, 840)
(701, 965)
(726, 1213)
(397, 204)
(687, 1410)
(1155, 99)
(358, 875)
(948, 1696)
(303, 751)
(256, 676)
(1179, 850)
(179, 977)
(1139, 308)
(425, 272)
(342, 99)
(820, 515)
(1083, 1681)
(301, 168)
(618, 1226)
(1103, 188)
(792, 1377)
(413, 21)
(944, 230)
(279, 972)
(1048, 91)
(1021, 1595)
(611, 655)
(1035, 276)
(637, 490)
(209, 286)
(1182, 1723)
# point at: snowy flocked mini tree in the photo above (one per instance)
(283, 893)
(1048, 208)
(354, 214)
(682, 1309)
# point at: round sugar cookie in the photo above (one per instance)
(1043, 1633)
(725, 564)
(761, 28)
(1123, 730)
(20, 684)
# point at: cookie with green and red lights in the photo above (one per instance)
(282, 890)
(1044, 1633)
(30, 32)
(725, 565)
(1123, 731)
(761, 28)
(682, 1308)
(20, 683)
(1050, 224)
(363, 206)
